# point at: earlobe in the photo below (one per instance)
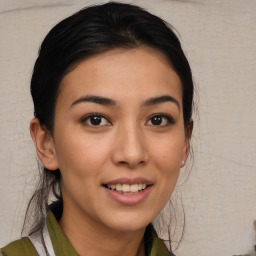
(185, 153)
(44, 145)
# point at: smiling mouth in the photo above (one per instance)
(127, 189)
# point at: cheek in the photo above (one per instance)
(167, 154)
(82, 155)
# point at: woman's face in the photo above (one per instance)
(119, 137)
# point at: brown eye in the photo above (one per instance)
(156, 120)
(160, 120)
(95, 120)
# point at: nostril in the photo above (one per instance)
(131, 164)
(123, 164)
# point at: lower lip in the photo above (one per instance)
(128, 199)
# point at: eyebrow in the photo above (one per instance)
(109, 102)
(95, 99)
(161, 99)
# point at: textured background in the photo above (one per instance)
(219, 39)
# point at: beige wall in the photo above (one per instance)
(219, 38)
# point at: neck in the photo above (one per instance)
(88, 237)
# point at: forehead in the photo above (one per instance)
(124, 75)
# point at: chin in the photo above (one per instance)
(130, 223)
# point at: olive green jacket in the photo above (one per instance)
(62, 246)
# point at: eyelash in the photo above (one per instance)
(86, 118)
(169, 119)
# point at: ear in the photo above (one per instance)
(44, 145)
(187, 142)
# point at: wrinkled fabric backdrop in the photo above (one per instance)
(219, 38)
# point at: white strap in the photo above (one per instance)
(36, 240)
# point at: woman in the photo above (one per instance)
(113, 94)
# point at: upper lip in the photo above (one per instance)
(130, 181)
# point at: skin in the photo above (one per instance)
(126, 144)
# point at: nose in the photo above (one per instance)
(130, 148)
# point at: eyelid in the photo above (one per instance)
(86, 117)
(169, 118)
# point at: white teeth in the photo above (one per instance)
(113, 186)
(126, 188)
(134, 188)
(118, 187)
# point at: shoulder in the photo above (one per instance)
(19, 247)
